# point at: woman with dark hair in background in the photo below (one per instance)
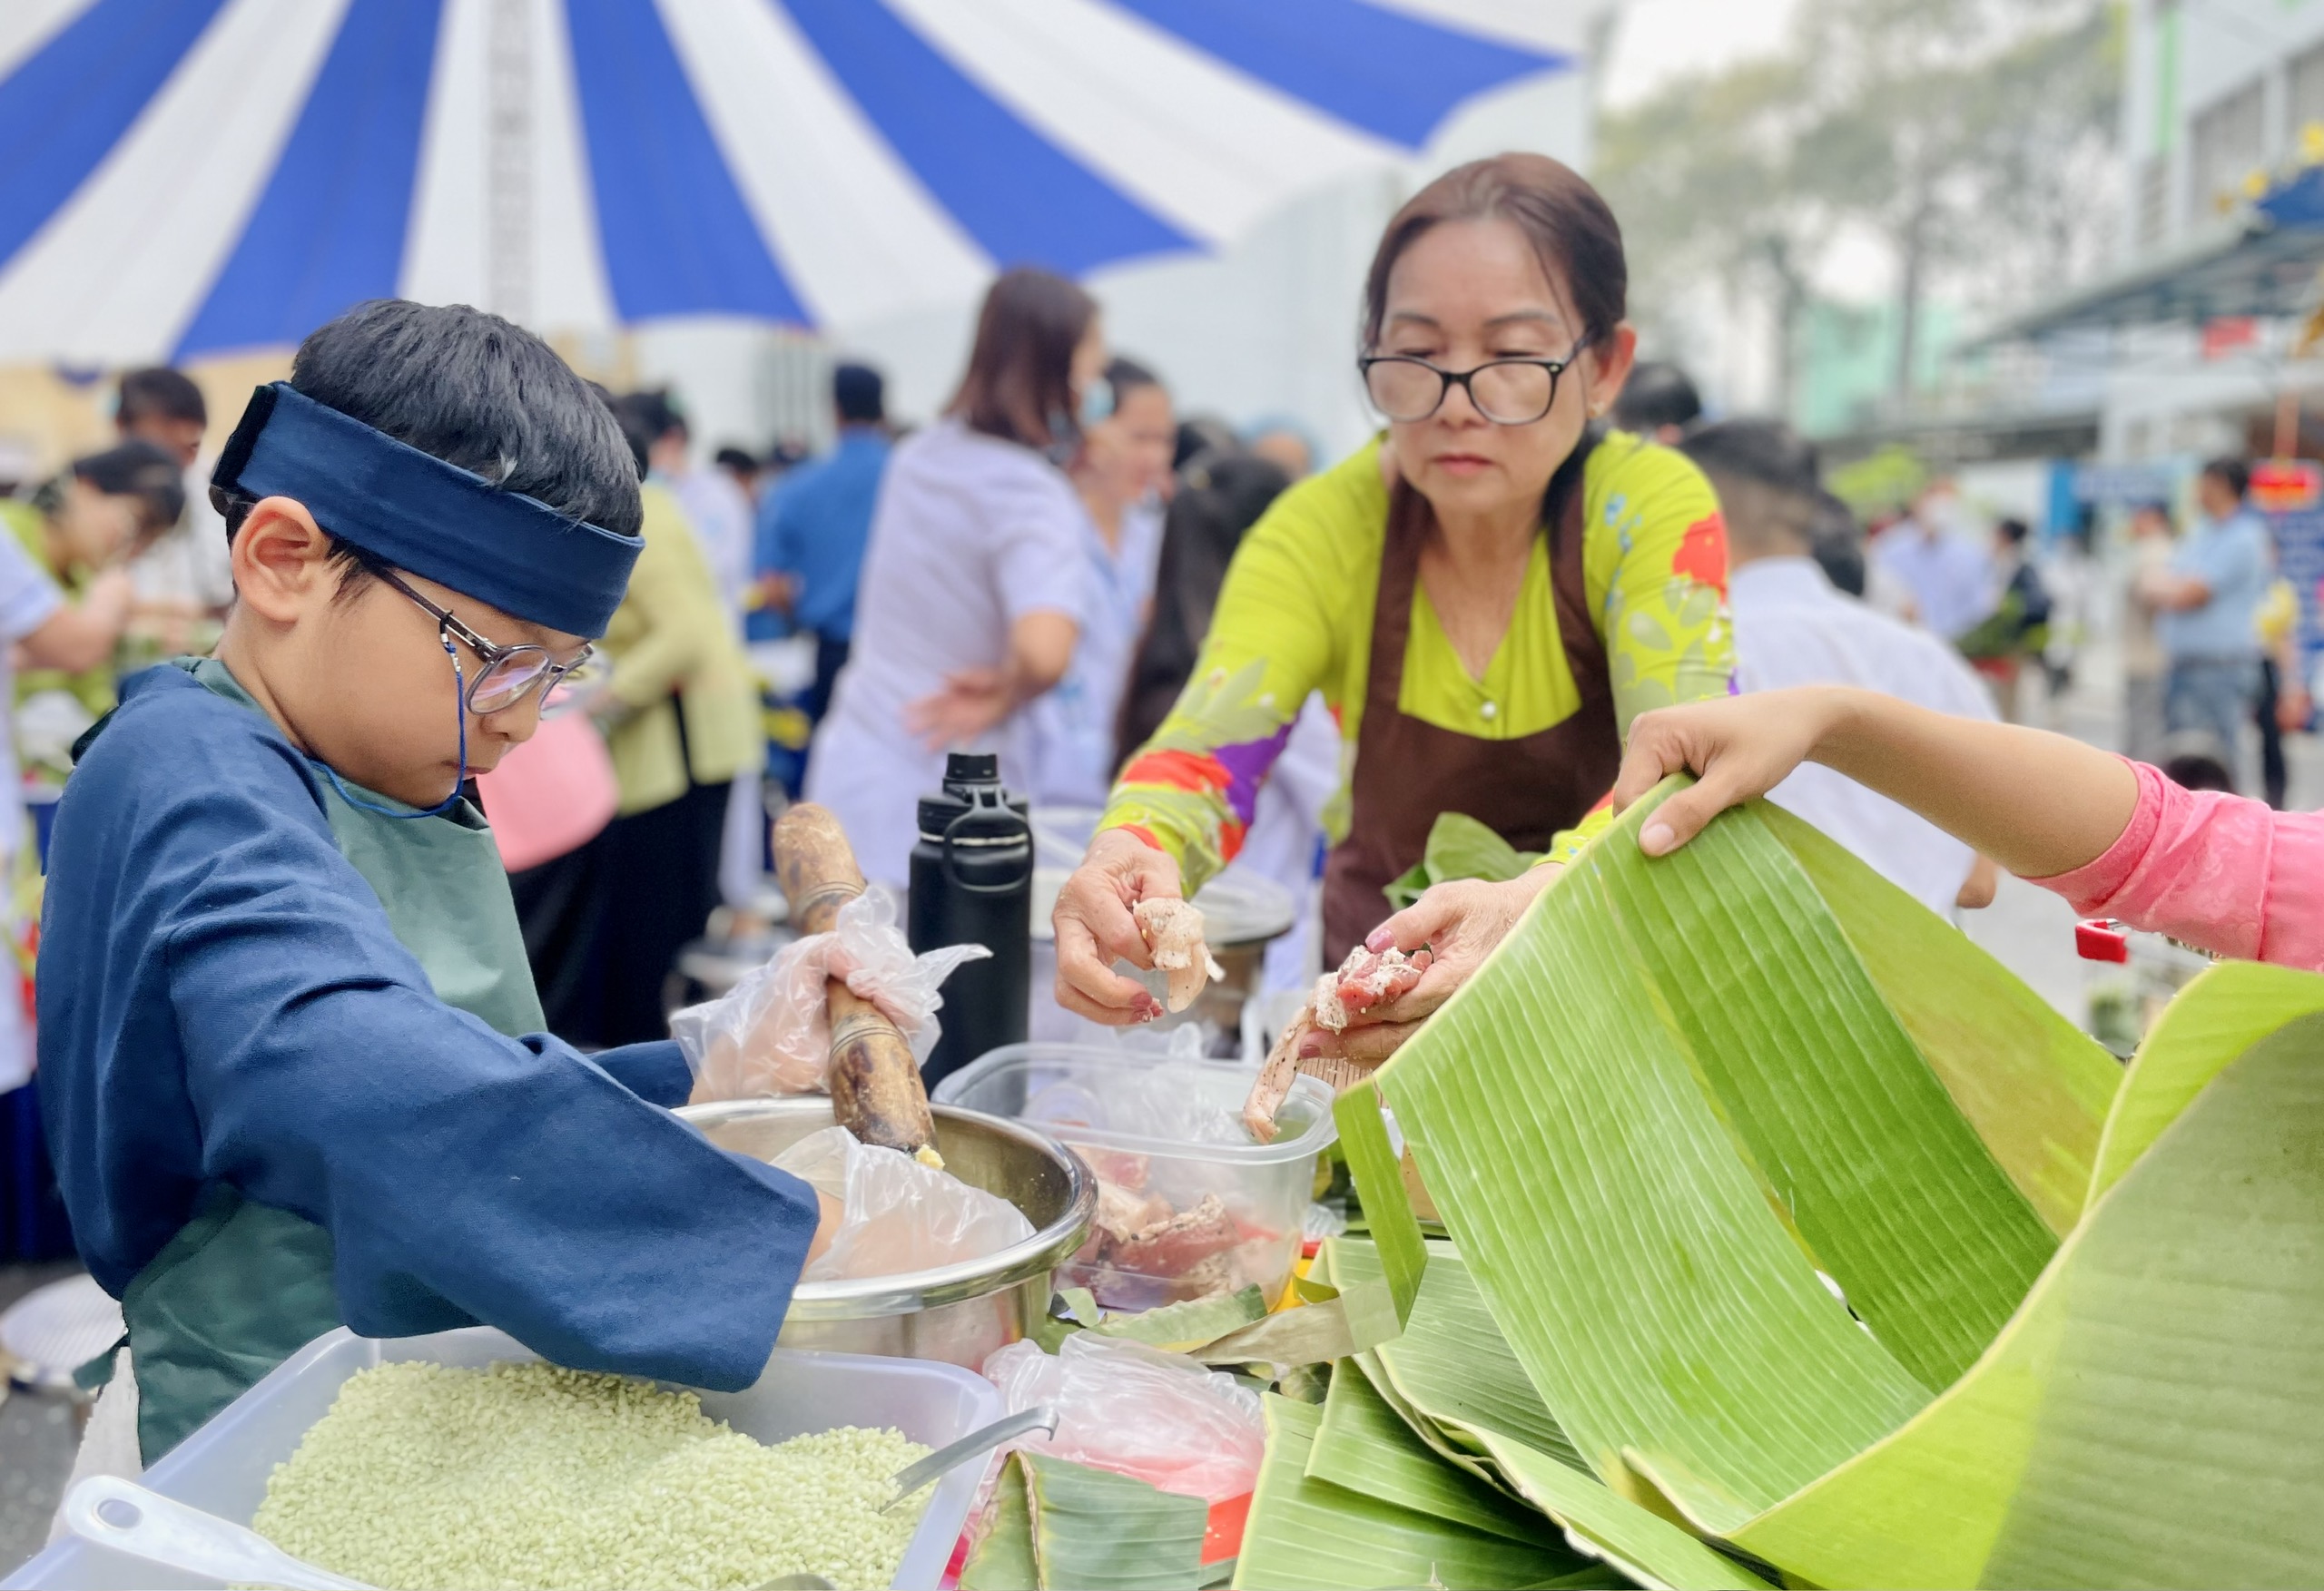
(1221, 493)
(1485, 597)
(1122, 476)
(972, 588)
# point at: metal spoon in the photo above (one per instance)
(127, 1518)
(975, 1445)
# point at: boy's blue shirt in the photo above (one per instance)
(220, 998)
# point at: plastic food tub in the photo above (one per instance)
(1140, 1122)
(223, 1466)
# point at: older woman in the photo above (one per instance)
(1485, 598)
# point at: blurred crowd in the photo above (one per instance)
(829, 626)
(1060, 514)
(2203, 625)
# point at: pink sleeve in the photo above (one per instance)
(2218, 872)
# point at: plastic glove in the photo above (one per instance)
(1135, 1410)
(897, 1215)
(771, 1035)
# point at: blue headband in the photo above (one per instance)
(428, 517)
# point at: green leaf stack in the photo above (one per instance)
(1818, 1237)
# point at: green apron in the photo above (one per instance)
(243, 1286)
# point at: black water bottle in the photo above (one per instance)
(972, 884)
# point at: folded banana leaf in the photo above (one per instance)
(1307, 1533)
(1690, 1099)
(1365, 1446)
(1450, 1372)
(1060, 1526)
(1475, 1406)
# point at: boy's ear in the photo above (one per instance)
(282, 560)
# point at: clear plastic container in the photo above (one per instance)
(1188, 1205)
(223, 1467)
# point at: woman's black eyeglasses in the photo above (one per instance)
(1508, 392)
(509, 672)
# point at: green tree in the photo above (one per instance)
(1973, 137)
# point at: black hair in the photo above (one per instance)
(158, 391)
(1567, 222)
(1658, 394)
(132, 470)
(731, 458)
(2231, 473)
(2013, 531)
(474, 391)
(1204, 433)
(1221, 495)
(1836, 543)
(2195, 759)
(1767, 480)
(1766, 451)
(1127, 376)
(645, 418)
(860, 394)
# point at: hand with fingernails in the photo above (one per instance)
(1448, 932)
(1095, 927)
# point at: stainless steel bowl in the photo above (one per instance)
(957, 1313)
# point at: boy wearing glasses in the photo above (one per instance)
(291, 1058)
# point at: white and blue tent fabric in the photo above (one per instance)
(183, 177)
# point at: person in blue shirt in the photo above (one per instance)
(2208, 606)
(291, 1065)
(813, 527)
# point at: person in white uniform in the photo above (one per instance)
(1122, 476)
(1794, 627)
(974, 588)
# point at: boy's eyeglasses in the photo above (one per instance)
(510, 674)
(1508, 392)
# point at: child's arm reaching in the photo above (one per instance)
(2216, 870)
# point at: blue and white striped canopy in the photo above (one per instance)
(189, 177)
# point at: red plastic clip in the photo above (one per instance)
(2100, 938)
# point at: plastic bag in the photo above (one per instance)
(772, 1032)
(1135, 1410)
(897, 1215)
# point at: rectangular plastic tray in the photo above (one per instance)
(223, 1466)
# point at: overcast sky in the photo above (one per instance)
(1657, 40)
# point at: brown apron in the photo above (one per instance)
(1408, 771)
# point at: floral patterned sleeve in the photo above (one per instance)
(1277, 635)
(1655, 566)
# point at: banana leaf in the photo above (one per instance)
(1304, 1533)
(2150, 1416)
(1093, 1530)
(1452, 1370)
(1682, 1088)
(1459, 847)
(1475, 1397)
(1177, 1327)
(1365, 1446)
(1648, 1547)
(1058, 1525)
(1003, 1557)
(2036, 1087)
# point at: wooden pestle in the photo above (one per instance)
(875, 1084)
